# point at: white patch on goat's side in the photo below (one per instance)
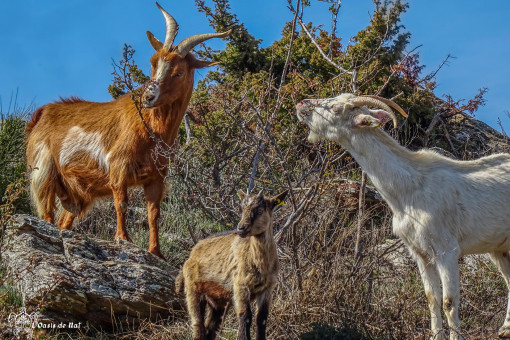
(78, 140)
(162, 69)
(40, 173)
(107, 158)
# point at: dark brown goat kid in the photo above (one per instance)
(235, 268)
(80, 151)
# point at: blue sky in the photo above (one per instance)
(62, 48)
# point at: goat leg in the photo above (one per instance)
(121, 203)
(153, 195)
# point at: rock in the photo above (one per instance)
(70, 277)
(475, 138)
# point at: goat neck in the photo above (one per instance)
(162, 119)
(391, 167)
(262, 249)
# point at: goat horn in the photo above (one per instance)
(171, 28)
(390, 103)
(187, 44)
(365, 100)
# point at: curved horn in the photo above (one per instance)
(364, 100)
(171, 28)
(187, 44)
(389, 103)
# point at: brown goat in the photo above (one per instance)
(80, 151)
(238, 267)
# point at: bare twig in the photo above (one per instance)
(340, 68)
(433, 74)
(358, 249)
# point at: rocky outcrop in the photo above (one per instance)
(473, 138)
(70, 277)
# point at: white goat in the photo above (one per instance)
(442, 208)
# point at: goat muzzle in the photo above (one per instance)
(305, 107)
(242, 230)
(150, 94)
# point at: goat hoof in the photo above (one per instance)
(438, 336)
(122, 237)
(157, 253)
(504, 332)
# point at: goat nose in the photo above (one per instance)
(303, 102)
(148, 97)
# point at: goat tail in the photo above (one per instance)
(43, 177)
(179, 283)
(36, 116)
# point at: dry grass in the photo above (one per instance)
(323, 292)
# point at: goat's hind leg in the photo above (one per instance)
(213, 321)
(69, 213)
(502, 261)
(65, 220)
(43, 196)
(196, 309)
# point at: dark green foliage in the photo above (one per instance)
(242, 53)
(126, 74)
(9, 297)
(12, 157)
(322, 331)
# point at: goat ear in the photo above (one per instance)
(363, 120)
(278, 199)
(382, 115)
(241, 194)
(155, 43)
(202, 63)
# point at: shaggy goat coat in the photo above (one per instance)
(80, 151)
(234, 268)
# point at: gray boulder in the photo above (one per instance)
(69, 277)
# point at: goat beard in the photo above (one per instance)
(242, 234)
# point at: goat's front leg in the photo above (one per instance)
(243, 310)
(432, 286)
(153, 195)
(502, 261)
(263, 304)
(120, 201)
(448, 268)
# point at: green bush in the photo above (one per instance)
(12, 156)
